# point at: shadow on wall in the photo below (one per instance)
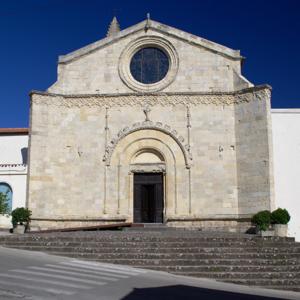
(176, 292)
(24, 152)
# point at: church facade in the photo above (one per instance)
(150, 125)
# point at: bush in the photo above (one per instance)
(4, 208)
(262, 220)
(21, 216)
(280, 216)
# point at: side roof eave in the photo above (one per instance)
(156, 26)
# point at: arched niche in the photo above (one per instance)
(147, 156)
(148, 160)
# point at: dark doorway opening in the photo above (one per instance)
(148, 201)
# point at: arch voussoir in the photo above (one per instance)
(148, 125)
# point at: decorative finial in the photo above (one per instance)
(114, 28)
(147, 26)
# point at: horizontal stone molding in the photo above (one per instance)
(148, 168)
(79, 219)
(215, 218)
(160, 99)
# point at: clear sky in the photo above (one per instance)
(34, 32)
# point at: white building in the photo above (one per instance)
(13, 168)
(286, 149)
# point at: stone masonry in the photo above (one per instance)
(204, 126)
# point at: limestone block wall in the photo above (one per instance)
(254, 154)
(82, 148)
(64, 177)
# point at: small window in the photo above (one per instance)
(149, 65)
(6, 190)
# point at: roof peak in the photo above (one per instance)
(155, 26)
(114, 27)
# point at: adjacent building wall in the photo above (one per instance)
(286, 140)
(13, 166)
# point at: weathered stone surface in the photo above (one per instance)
(210, 131)
(244, 259)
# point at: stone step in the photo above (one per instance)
(108, 248)
(241, 275)
(112, 253)
(145, 236)
(267, 262)
(143, 244)
(265, 282)
(149, 238)
(283, 287)
(96, 248)
(185, 262)
(222, 268)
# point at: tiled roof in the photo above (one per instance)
(14, 130)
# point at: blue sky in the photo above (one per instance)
(34, 32)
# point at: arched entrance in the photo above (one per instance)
(146, 163)
(148, 194)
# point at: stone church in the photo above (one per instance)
(150, 125)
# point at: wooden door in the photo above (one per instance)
(148, 198)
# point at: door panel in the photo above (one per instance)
(137, 204)
(159, 203)
(148, 198)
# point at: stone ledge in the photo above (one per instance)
(218, 93)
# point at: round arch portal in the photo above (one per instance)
(147, 151)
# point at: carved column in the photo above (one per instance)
(188, 125)
(105, 166)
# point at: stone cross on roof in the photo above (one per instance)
(114, 27)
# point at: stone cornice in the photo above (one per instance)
(246, 90)
(161, 99)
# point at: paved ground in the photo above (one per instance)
(34, 275)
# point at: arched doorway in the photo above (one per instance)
(148, 197)
(143, 151)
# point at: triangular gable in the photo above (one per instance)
(155, 26)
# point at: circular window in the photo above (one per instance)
(149, 65)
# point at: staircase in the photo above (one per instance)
(237, 258)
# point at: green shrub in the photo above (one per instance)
(4, 208)
(262, 219)
(21, 216)
(280, 216)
